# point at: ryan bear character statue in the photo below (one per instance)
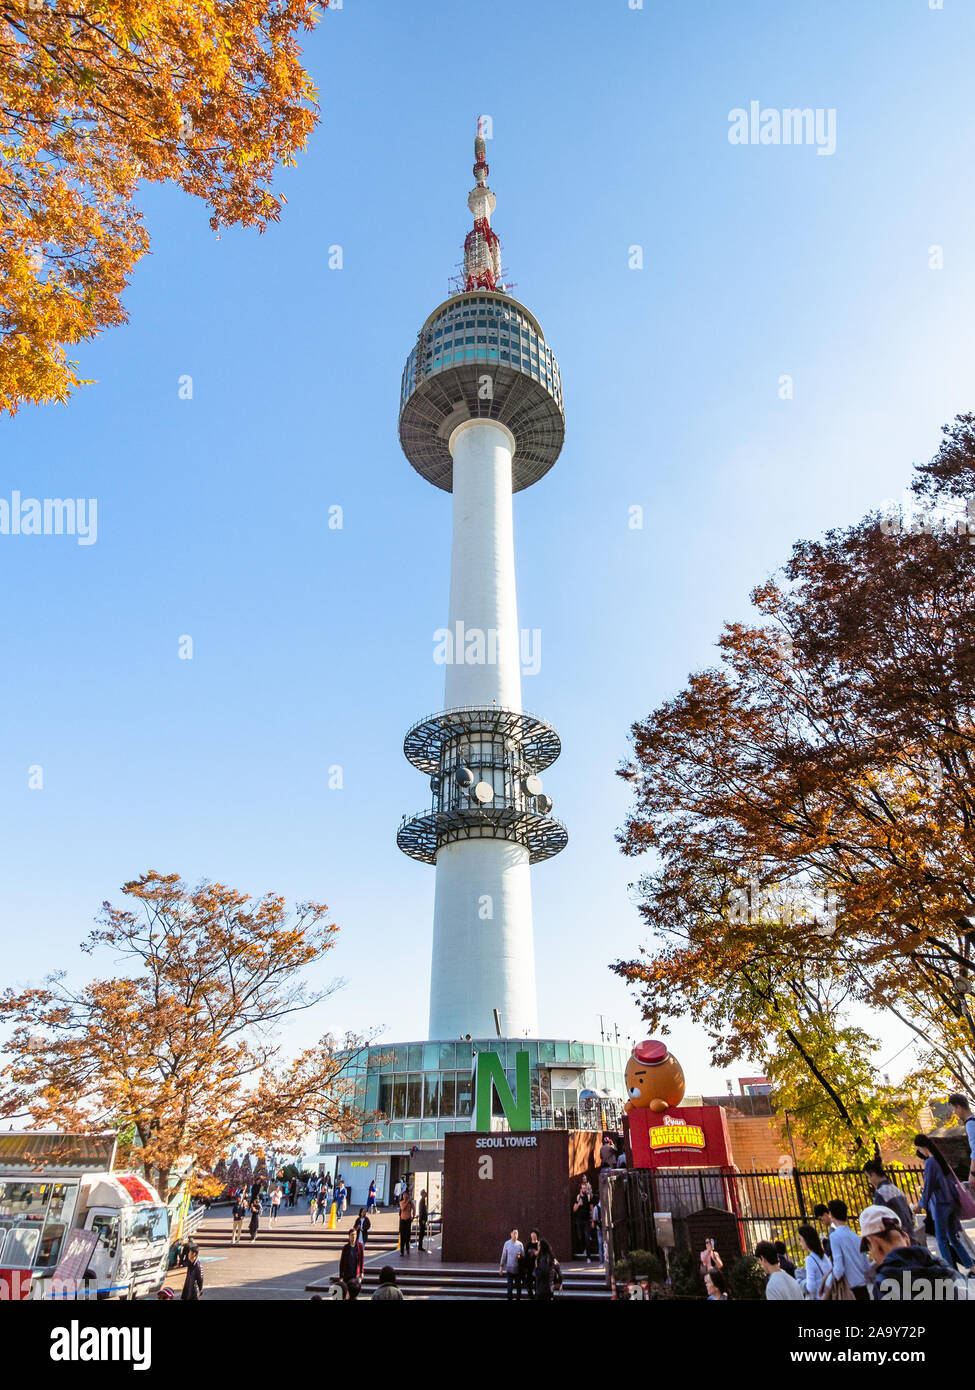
(654, 1078)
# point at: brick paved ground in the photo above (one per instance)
(270, 1268)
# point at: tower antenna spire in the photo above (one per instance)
(482, 250)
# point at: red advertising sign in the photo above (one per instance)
(135, 1187)
(689, 1136)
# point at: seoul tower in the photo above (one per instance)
(481, 417)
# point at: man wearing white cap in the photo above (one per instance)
(903, 1270)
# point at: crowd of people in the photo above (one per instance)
(888, 1257)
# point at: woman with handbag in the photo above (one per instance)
(941, 1200)
(818, 1266)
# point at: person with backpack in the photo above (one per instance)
(889, 1195)
(903, 1270)
(371, 1198)
(941, 1202)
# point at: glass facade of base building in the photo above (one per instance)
(425, 1091)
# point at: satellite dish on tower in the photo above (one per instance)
(464, 777)
(532, 785)
(483, 793)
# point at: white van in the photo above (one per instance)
(54, 1185)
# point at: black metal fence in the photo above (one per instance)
(765, 1206)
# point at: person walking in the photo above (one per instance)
(276, 1195)
(398, 1191)
(780, 1287)
(254, 1225)
(821, 1214)
(388, 1290)
(940, 1200)
(548, 1275)
(849, 1262)
(511, 1253)
(888, 1195)
(341, 1194)
(320, 1208)
(964, 1116)
(903, 1270)
(531, 1259)
(238, 1212)
(351, 1262)
(581, 1219)
(361, 1227)
(406, 1213)
(596, 1228)
(421, 1220)
(817, 1264)
(371, 1198)
(193, 1283)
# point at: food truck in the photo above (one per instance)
(71, 1227)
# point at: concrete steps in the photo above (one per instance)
(328, 1242)
(470, 1283)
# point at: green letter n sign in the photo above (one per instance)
(489, 1077)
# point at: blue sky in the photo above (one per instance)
(313, 647)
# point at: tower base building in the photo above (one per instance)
(426, 1089)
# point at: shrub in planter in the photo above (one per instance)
(647, 1264)
(685, 1275)
(746, 1278)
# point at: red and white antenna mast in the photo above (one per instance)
(482, 250)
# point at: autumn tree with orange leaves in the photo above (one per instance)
(98, 94)
(178, 1048)
(810, 806)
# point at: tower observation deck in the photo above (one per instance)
(481, 417)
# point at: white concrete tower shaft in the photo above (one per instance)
(481, 417)
(483, 943)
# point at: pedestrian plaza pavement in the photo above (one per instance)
(291, 1253)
